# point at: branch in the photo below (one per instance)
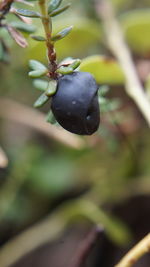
(27, 116)
(37, 235)
(47, 24)
(119, 48)
(136, 253)
(51, 228)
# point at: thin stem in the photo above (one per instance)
(47, 24)
(136, 253)
(117, 45)
(51, 228)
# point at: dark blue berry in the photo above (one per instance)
(75, 104)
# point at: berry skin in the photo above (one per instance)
(75, 104)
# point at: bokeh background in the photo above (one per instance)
(111, 170)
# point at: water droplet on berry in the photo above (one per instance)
(88, 117)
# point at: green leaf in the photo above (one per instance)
(108, 105)
(50, 117)
(36, 65)
(136, 27)
(69, 69)
(38, 69)
(103, 90)
(85, 30)
(105, 70)
(59, 11)
(67, 60)
(28, 13)
(40, 84)
(61, 34)
(37, 73)
(53, 5)
(21, 26)
(103, 100)
(114, 104)
(38, 38)
(65, 70)
(75, 64)
(51, 89)
(41, 101)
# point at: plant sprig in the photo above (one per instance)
(50, 73)
(47, 11)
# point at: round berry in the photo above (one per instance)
(75, 104)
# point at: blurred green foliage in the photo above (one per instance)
(116, 166)
(104, 70)
(136, 27)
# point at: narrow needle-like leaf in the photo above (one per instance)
(40, 84)
(51, 89)
(37, 73)
(61, 34)
(41, 101)
(36, 65)
(38, 38)
(28, 13)
(53, 5)
(59, 11)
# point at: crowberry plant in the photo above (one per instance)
(73, 95)
(74, 99)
